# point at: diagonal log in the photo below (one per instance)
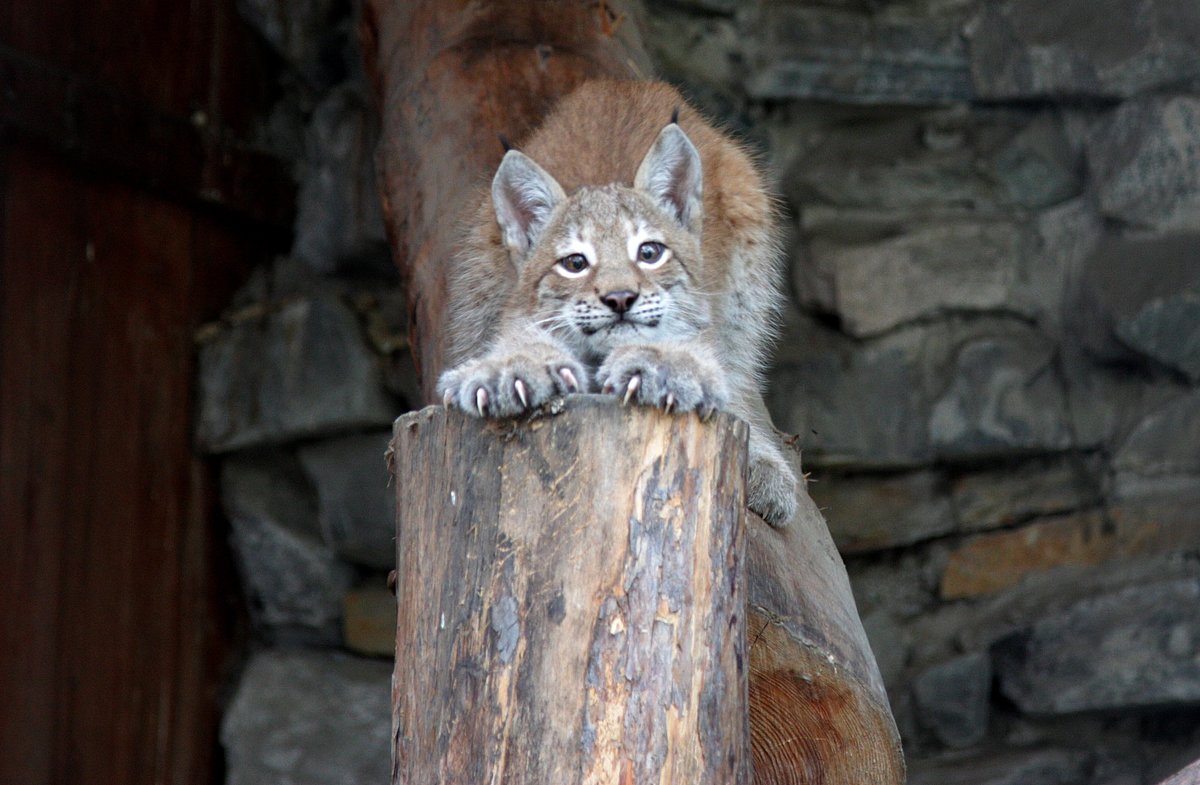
(450, 76)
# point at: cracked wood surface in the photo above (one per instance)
(569, 598)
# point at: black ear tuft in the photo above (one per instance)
(675, 116)
(504, 142)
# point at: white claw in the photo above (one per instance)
(670, 403)
(447, 398)
(519, 386)
(634, 382)
(569, 377)
(481, 399)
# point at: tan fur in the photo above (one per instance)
(599, 135)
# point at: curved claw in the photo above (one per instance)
(670, 403)
(608, 388)
(568, 376)
(447, 398)
(481, 400)
(635, 381)
(519, 387)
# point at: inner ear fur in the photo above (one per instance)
(523, 196)
(672, 175)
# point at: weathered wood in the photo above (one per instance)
(570, 594)
(818, 709)
(450, 76)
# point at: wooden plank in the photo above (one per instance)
(176, 155)
(111, 608)
(38, 230)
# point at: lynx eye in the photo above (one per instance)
(573, 265)
(651, 254)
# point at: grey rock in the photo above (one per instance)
(1120, 279)
(926, 272)
(302, 717)
(1132, 648)
(355, 497)
(1064, 237)
(983, 162)
(973, 389)
(1145, 161)
(900, 584)
(841, 398)
(1017, 50)
(339, 220)
(300, 369)
(891, 644)
(1045, 486)
(1037, 766)
(952, 699)
(1052, 592)
(1004, 397)
(837, 55)
(1166, 442)
(1037, 168)
(868, 512)
(294, 584)
(700, 49)
(1167, 329)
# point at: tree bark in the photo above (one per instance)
(818, 709)
(450, 75)
(570, 592)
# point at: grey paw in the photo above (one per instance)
(512, 384)
(671, 380)
(771, 489)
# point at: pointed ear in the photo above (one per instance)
(671, 174)
(523, 195)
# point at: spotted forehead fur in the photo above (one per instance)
(604, 207)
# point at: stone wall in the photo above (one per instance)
(992, 358)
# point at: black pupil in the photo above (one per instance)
(650, 252)
(575, 262)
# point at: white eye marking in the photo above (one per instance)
(574, 258)
(643, 236)
(634, 238)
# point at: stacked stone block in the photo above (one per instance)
(300, 381)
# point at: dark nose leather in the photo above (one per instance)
(619, 301)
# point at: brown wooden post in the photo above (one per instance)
(450, 76)
(570, 597)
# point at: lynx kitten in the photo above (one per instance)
(622, 256)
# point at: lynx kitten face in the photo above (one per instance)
(660, 289)
(612, 269)
(609, 265)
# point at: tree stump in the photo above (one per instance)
(570, 595)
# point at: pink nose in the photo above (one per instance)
(619, 301)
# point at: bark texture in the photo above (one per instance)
(570, 596)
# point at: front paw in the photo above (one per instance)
(672, 379)
(505, 385)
